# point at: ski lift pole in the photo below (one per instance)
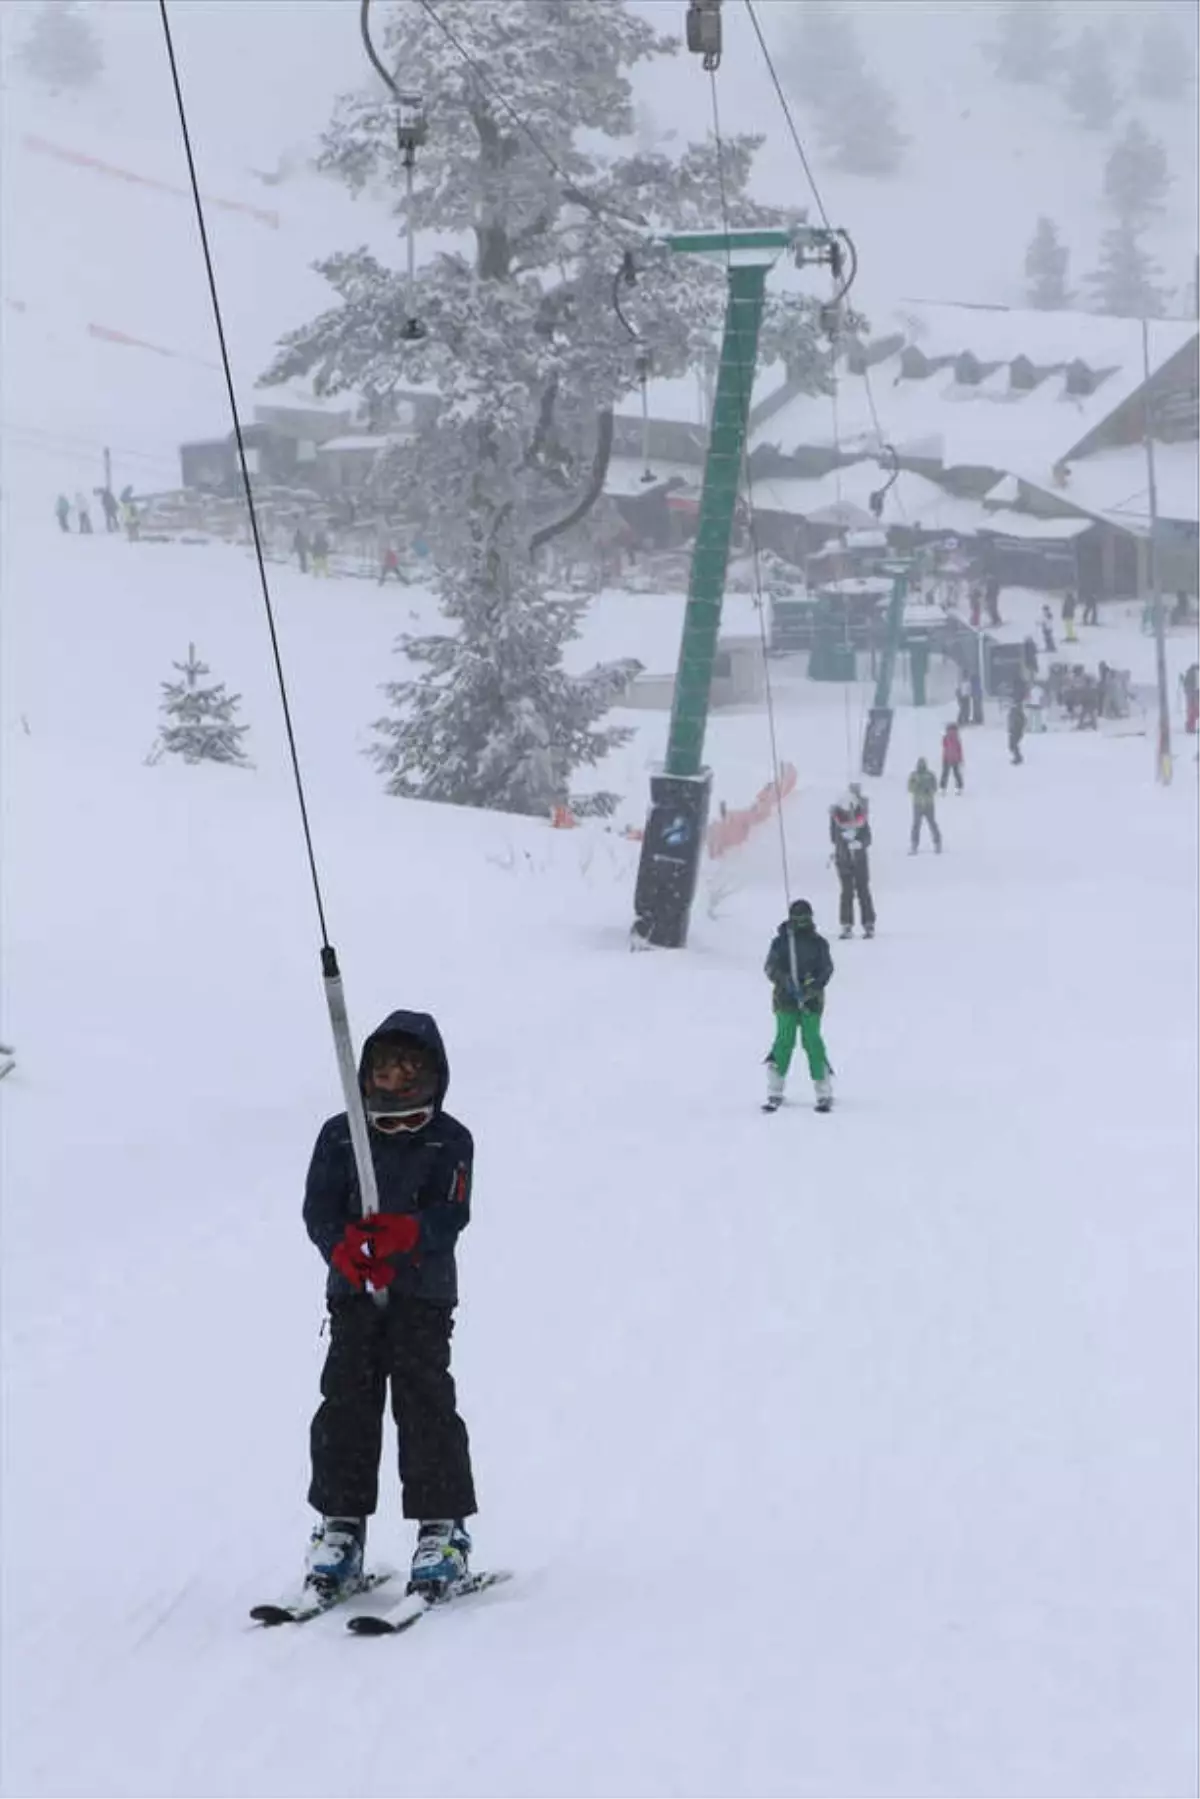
(339, 1018)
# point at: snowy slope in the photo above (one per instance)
(847, 1455)
(850, 1455)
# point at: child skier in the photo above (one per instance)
(799, 967)
(423, 1160)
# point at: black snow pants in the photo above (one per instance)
(855, 878)
(407, 1343)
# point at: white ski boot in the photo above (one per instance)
(335, 1556)
(847, 930)
(824, 1091)
(439, 1562)
(774, 1089)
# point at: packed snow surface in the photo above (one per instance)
(850, 1455)
(846, 1455)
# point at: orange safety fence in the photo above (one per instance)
(731, 829)
(264, 214)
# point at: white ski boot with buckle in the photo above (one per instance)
(335, 1556)
(439, 1562)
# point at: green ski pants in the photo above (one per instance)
(787, 1023)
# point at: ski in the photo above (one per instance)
(308, 1605)
(414, 1606)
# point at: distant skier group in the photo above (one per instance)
(119, 512)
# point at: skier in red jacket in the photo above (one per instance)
(952, 758)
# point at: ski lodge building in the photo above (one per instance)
(1020, 430)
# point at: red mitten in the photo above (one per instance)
(391, 1233)
(351, 1259)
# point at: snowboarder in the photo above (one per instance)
(1070, 635)
(1016, 730)
(391, 565)
(62, 512)
(850, 834)
(320, 552)
(952, 758)
(112, 512)
(922, 785)
(300, 549)
(1091, 607)
(799, 968)
(85, 517)
(423, 1160)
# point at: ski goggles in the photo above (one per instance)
(394, 1124)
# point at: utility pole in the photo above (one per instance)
(1163, 760)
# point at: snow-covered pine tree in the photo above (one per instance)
(1046, 262)
(525, 347)
(198, 721)
(1136, 178)
(824, 66)
(1167, 64)
(62, 49)
(1026, 46)
(497, 721)
(1091, 91)
(1124, 281)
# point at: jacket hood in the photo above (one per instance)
(421, 1025)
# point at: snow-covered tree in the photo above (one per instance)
(62, 49)
(497, 721)
(1167, 65)
(1026, 46)
(1091, 91)
(526, 349)
(824, 67)
(1125, 279)
(198, 720)
(1046, 262)
(1136, 177)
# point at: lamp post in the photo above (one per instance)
(1163, 757)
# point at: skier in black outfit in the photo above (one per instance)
(850, 834)
(423, 1159)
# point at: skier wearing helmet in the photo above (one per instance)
(423, 1159)
(799, 968)
(850, 834)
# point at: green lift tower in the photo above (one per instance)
(679, 795)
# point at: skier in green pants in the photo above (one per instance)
(799, 968)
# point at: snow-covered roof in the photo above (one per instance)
(678, 401)
(355, 441)
(649, 626)
(1038, 530)
(625, 476)
(1114, 484)
(988, 424)
(841, 497)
